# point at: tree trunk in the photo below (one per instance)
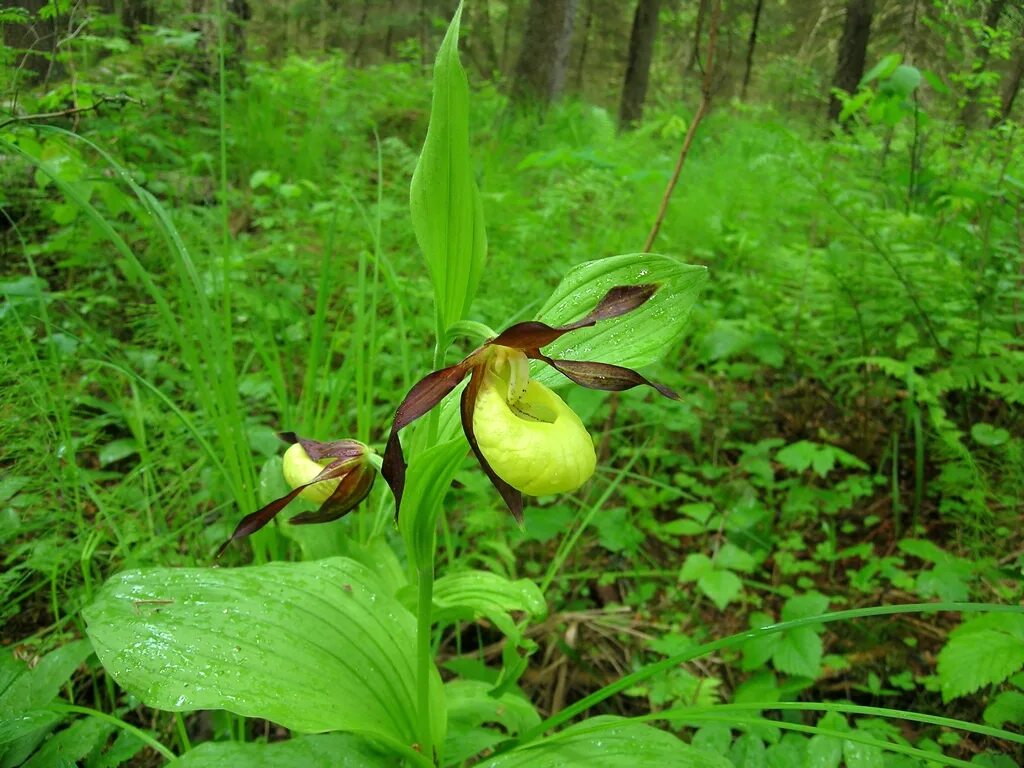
(588, 21)
(853, 51)
(34, 43)
(972, 105)
(751, 43)
(698, 28)
(540, 71)
(1011, 84)
(483, 48)
(638, 66)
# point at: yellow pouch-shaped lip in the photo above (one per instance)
(299, 469)
(539, 446)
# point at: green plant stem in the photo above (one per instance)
(140, 734)
(183, 739)
(682, 713)
(425, 599)
(854, 736)
(424, 654)
(738, 639)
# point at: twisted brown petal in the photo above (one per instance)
(351, 491)
(252, 522)
(316, 450)
(603, 376)
(618, 301)
(424, 395)
(513, 498)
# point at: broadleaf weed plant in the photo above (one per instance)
(347, 642)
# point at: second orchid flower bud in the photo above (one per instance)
(337, 475)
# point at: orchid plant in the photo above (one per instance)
(342, 649)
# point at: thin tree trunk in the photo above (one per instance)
(751, 43)
(486, 39)
(638, 66)
(698, 29)
(34, 43)
(972, 105)
(588, 20)
(1011, 84)
(853, 50)
(540, 70)
(361, 33)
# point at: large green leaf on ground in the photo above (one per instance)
(635, 339)
(608, 742)
(447, 214)
(329, 750)
(314, 646)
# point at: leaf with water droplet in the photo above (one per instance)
(317, 657)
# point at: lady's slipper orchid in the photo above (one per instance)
(337, 475)
(525, 437)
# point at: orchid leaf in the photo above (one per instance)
(608, 742)
(482, 594)
(474, 713)
(637, 338)
(315, 646)
(428, 481)
(330, 750)
(447, 212)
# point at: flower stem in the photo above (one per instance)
(424, 654)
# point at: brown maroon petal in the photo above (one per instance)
(604, 376)
(618, 301)
(256, 520)
(349, 494)
(513, 498)
(428, 392)
(529, 334)
(424, 395)
(316, 450)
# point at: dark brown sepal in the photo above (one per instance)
(513, 498)
(424, 395)
(316, 450)
(603, 376)
(252, 522)
(619, 301)
(349, 494)
(534, 334)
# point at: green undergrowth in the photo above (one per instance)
(848, 436)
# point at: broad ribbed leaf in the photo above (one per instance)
(637, 338)
(329, 750)
(314, 646)
(608, 742)
(483, 594)
(447, 214)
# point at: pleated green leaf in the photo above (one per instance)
(331, 750)
(482, 594)
(447, 213)
(428, 480)
(608, 742)
(479, 720)
(636, 339)
(315, 646)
